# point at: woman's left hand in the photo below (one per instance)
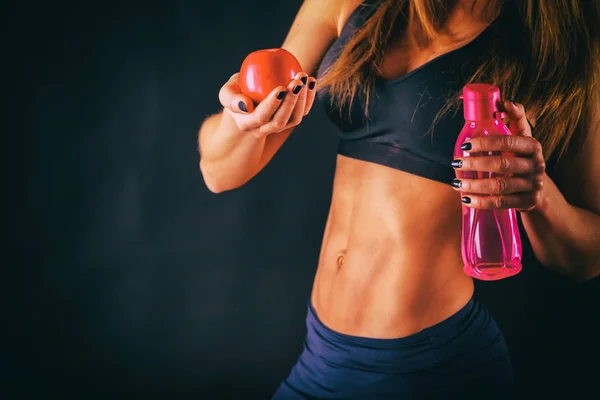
(522, 179)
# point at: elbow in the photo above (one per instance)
(578, 269)
(554, 260)
(215, 183)
(585, 272)
(583, 275)
(584, 267)
(214, 186)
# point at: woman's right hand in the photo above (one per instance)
(283, 108)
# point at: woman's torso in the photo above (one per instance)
(390, 262)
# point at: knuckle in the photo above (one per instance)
(534, 167)
(541, 167)
(500, 185)
(295, 121)
(499, 202)
(260, 119)
(278, 124)
(539, 183)
(507, 141)
(504, 164)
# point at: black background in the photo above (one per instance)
(126, 276)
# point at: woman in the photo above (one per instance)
(392, 314)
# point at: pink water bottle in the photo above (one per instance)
(491, 243)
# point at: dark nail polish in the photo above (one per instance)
(304, 79)
(466, 200)
(242, 106)
(281, 95)
(311, 85)
(457, 183)
(297, 89)
(456, 164)
(466, 146)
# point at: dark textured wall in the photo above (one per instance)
(126, 276)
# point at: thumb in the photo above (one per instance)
(231, 97)
(518, 123)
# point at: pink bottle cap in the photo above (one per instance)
(480, 101)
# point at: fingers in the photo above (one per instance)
(525, 146)
(498, 186)
(284, 107)
(290, 110)
(499, 164)
(517, 118)
(522, 202)
(520, 164)
(264, 111)
(298, 111)
(310, 95)
(231, 97)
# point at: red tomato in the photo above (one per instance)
(264, 70)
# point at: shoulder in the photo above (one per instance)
(333, 13)
(346, 9)
(578, 176)
(317, 24)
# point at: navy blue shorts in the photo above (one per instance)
(464, 355)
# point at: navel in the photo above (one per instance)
(340, 260)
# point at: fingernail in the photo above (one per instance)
(311, 85)
(242, 106)
(297, 89)
(281, 95)
(457, 183)
(466, 146)
(304, 79)
(466, 200)
(456, 164)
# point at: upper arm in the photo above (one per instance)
(316, 26)
(590, 167)
(582, 178)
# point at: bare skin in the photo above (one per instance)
(390, 263)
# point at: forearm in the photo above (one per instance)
(227, 155)
(564, 237)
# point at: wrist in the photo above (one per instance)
(549, 198)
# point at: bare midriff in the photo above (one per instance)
(390, 263)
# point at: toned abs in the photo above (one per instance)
(390, 263)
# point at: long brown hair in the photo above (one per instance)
(546, 56)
